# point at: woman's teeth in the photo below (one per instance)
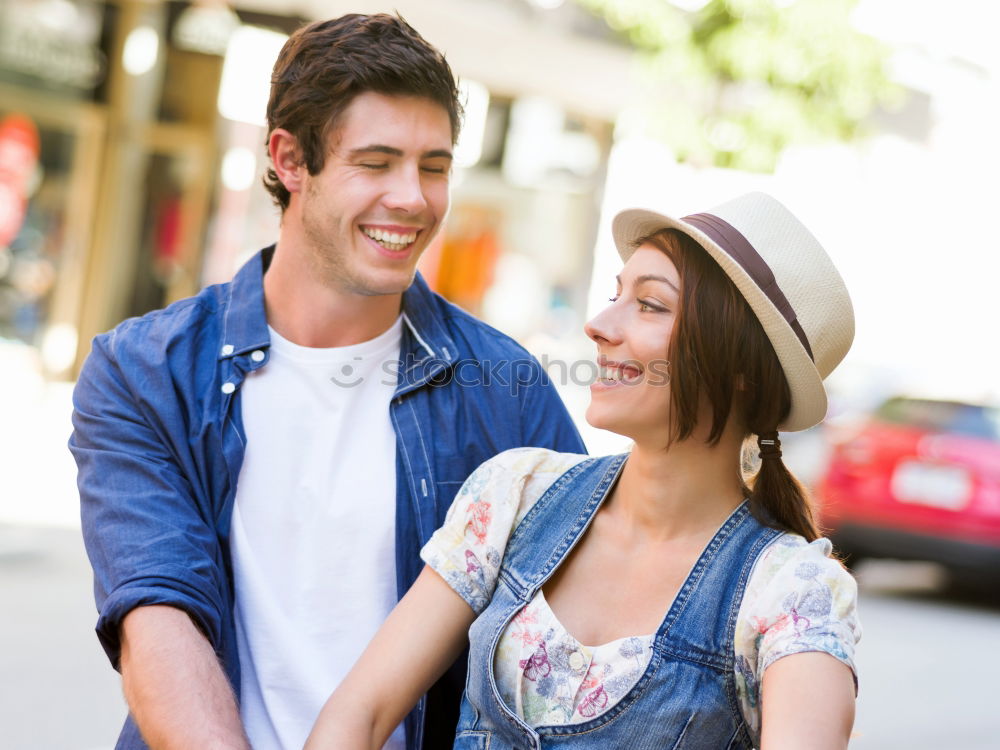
(615, 374)
(390, 240)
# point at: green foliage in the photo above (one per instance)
(738, 80)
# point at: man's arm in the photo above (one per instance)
(158, 573)
(175, 687)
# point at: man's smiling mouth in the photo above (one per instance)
(394, 241)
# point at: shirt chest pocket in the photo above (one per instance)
(451, 471)
(472, 741)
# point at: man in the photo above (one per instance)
(260, 464)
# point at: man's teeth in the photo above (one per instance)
(390, 240)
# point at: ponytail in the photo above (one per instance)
(777, 498)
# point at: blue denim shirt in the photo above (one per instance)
(159, 441)
(686, 698)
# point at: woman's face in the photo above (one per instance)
(632, 395)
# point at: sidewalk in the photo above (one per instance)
(36, 469)
(58, 691)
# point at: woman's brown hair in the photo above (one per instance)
(719, 353)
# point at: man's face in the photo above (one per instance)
(381, 195)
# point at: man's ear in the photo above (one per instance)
(286, 156)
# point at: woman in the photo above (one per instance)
(722, 621)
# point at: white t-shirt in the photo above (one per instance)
(313, 530)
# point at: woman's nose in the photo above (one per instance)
(604, 327)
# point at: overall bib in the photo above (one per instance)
(686, 699)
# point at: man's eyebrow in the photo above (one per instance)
(378, 148)
(438, 153)
(652, 277)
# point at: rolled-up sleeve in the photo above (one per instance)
(148, 538)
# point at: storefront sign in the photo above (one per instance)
(19, 149)
(53, 40)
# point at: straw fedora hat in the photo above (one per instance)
(786, 277)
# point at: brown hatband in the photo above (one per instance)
(739, 249)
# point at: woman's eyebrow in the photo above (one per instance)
(652, 277)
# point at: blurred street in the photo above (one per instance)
(58, 692)
(132, 149)
(928, 658)
(928, 661)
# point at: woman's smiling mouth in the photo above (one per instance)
(614, 373)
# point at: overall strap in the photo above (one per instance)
(554, 524)
(700, 625)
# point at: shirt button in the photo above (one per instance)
(257, 355)
(228, 388)
(576, 661)
(227, 350)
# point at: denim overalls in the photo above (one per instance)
(686, 699)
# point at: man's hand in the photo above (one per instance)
(175, 687)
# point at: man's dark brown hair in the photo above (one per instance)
(324, 65)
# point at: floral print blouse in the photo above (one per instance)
(797, 599)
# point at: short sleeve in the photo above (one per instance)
(468, 548)
(798, 599)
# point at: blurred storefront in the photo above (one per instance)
(109, 217)
(52, 125)
(132, 145)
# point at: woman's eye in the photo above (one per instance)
(647, 307)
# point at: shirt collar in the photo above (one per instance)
(423, 319)
(245, 326)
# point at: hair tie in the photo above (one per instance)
(769, 445)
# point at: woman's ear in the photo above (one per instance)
(286, 156)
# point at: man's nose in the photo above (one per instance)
(406, 192)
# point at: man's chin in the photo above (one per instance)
(396, 283)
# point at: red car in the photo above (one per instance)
(920, 481)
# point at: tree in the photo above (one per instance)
(735, 81)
